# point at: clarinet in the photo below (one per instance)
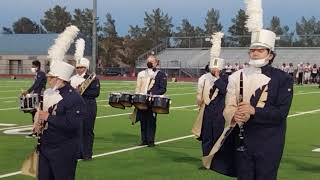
(241, 147)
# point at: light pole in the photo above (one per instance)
(94, 37)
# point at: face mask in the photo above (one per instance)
(33, 70)
(149, 65)
(258, 63)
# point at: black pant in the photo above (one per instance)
(211, 130)
(88, 129)
(33, 113)
(300, 78)
(58, 163)
(256, 166)
(148, 124)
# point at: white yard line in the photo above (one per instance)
(16, 90)
(169, 95)
(2, 124)
(316, 150)
(4, 109)
(139, 147)
(15, 127)
(9, 97)
(180, 94)
(160, 142)
(9, 101)
(303, 93)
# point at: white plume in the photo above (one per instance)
(80, 46)
(254, 12)
(62, 44)
(216, 45)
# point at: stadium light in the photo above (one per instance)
(94, 36)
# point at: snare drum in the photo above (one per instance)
(114, 100)
(126, 99)
(160, 104)
(29, 102)
(141, 101)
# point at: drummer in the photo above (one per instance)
(154, 82)
(38, 85)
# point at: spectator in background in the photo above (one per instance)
(236, 67)
(299, 74)
(283, 67)
(314, 73)
(291, 69)
(307, 73)
(228, 68)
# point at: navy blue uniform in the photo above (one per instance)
(60, 143)
(39, 83)
(89, 96)
(148, 119)
(38, 86)
(265, 131)
(213, 120)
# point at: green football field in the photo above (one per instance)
(177, 154)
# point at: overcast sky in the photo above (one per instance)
(131, 12)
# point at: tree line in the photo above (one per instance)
(122, 51)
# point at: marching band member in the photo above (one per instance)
(266, 103)
(154, 82)
(89, 95)
(38, 85)
(60, 142)
(207, 91)
(59, 122)
(203, 89)
(257, 104)
(213, 120)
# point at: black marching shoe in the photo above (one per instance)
(87, 159)
(143, 143)
(151, 144)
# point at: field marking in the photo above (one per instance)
(9, 128)
(114, 152)
(10, 174)
(9, 97)
(312, 92)
(160, 142)
(9, 101)
(316, 150)
(5, 124)
(116, 115)
(98, 117)
(4, 109)
(169, 95)
(139, 147)
(180, 94)
(17, 90)
(17, 131)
